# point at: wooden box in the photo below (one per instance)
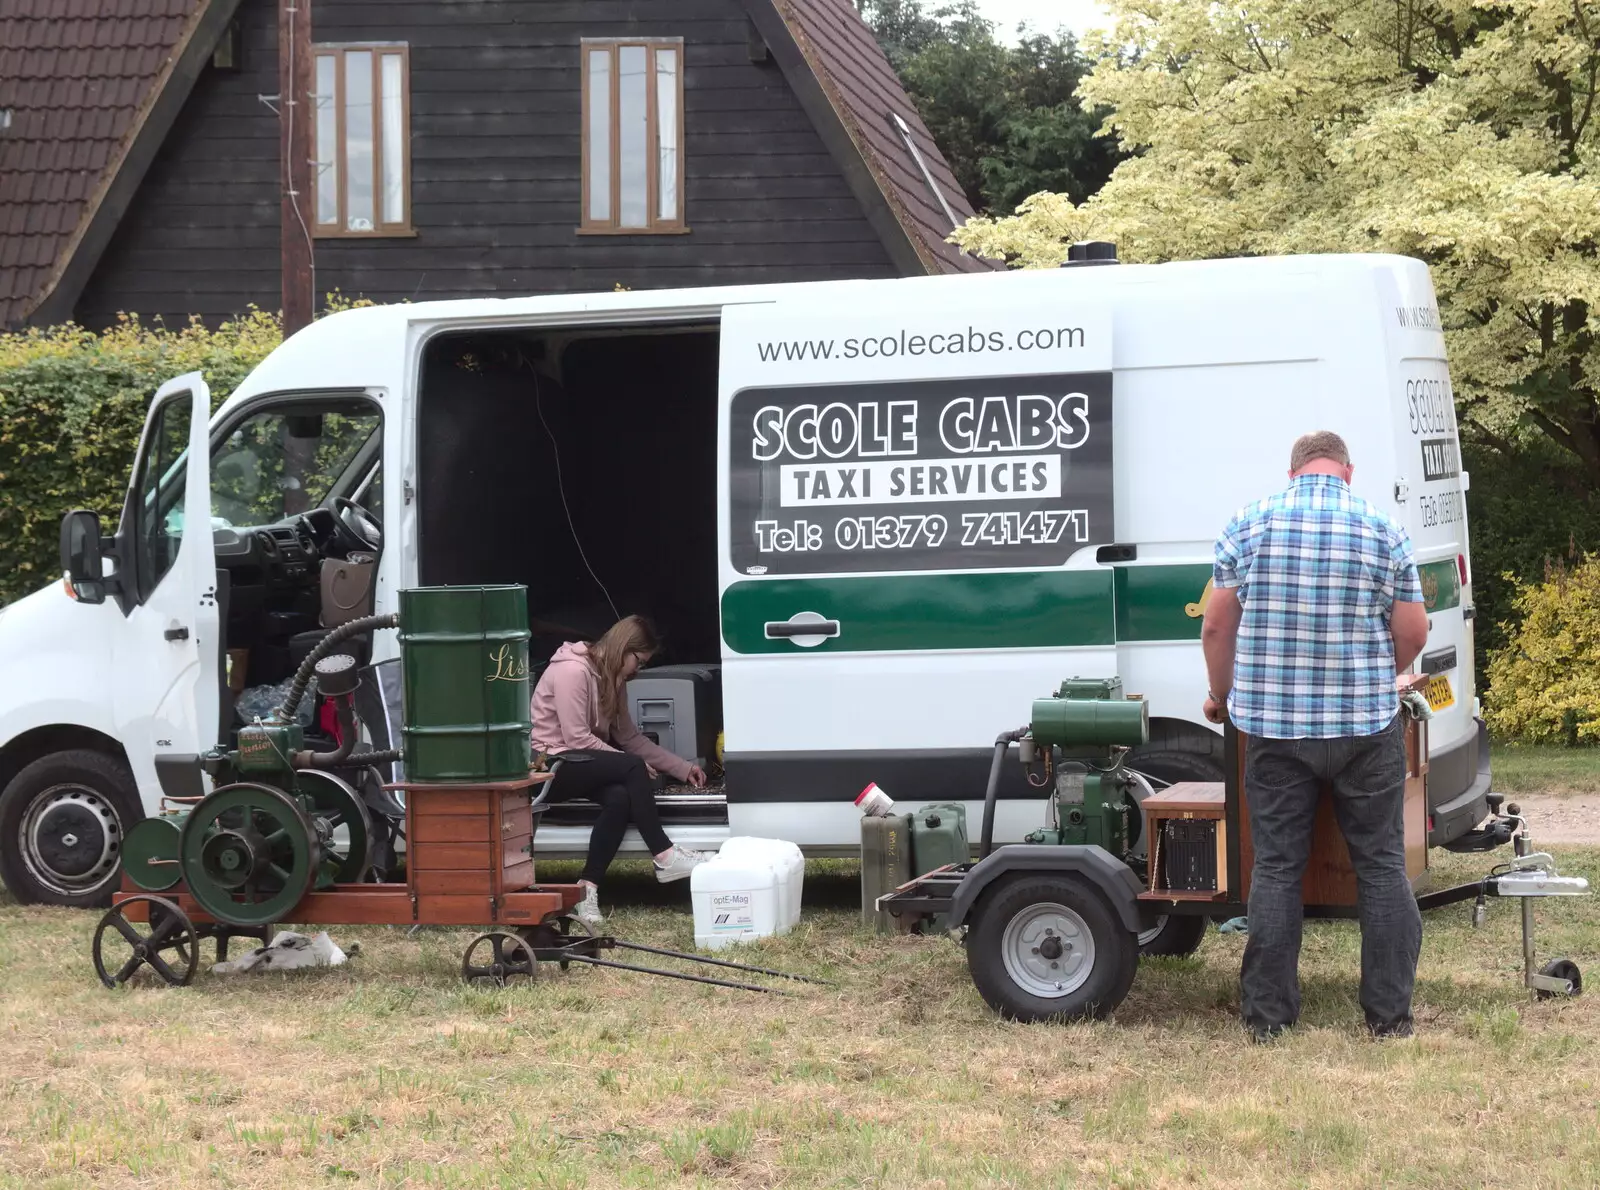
(468, 846)
(1194, 801)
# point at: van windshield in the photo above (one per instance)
(286, 460)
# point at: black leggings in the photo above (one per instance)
(619, 782)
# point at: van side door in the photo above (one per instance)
(168, 655)
(911, 490)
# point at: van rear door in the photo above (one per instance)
(1431, 498)
(911, 490)
(168, 653)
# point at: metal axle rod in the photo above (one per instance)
(695, 958)
(721, 983)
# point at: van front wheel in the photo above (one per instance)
(62, 821)
(1050, 948)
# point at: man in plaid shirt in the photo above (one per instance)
(1316, 606)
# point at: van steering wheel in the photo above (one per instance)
(359, 524)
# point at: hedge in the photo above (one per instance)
(72, 405)
(1525, 511)
(1545, 681)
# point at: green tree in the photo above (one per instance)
(1006, 117)
(1461, 132)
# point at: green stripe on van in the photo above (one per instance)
(1441, 585)
(1161, 602)
(984, 610)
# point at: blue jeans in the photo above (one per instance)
(1366, 776)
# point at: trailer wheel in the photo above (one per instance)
(1562, 969)
(1173, 936)
(1050, 948)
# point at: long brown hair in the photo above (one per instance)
(607, 656)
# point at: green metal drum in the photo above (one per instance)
(464, 661)
(150, 852)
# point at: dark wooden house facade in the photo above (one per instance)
(461, 148)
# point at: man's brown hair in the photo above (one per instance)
(1321, 444)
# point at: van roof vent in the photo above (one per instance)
(1090, 252)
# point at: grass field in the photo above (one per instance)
(388, 1072)
(1523, 769)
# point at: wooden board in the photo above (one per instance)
(1194, 797)
(390, 904)
(466, 828)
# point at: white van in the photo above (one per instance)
(888, 514)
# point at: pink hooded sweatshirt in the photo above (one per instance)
(566, 716)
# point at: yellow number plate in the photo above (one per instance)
(1439, 694)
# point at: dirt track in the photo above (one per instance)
(1570, 819)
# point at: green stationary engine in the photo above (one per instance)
(279, 821)
(1082, 736)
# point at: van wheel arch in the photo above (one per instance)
(1180, 751)
(86, 775)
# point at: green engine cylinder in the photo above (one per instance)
(464, 661)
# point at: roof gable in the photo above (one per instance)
(864, 98)
(80, 79)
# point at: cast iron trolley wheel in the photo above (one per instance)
(1049, 948)
(249, 854)
(62, 821)
(552, 935)
(500, 957)
(350, 833)
(1562, 969)
(167, 944)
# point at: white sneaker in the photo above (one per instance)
(588, 910)
(679, 864)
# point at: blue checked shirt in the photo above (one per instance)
(1318, 571)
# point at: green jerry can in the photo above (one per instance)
(885, 865)
(939, 837)
(464, 668)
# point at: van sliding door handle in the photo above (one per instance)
(803, 628)
(175, 634)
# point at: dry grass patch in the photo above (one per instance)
(389, 1073)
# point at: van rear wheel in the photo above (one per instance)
(1173, 935)
(1049, 948)
(62, 821)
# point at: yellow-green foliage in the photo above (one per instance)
(72, 404)
(1462, 132)
(1545, 684)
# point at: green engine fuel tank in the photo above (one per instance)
(1078, 719)
(464, 660)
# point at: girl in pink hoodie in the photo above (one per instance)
(580, 717)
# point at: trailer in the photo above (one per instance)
(1053, 927)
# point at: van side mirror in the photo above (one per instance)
(82, 560)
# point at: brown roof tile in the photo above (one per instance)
(77, 76)
(867, 95)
